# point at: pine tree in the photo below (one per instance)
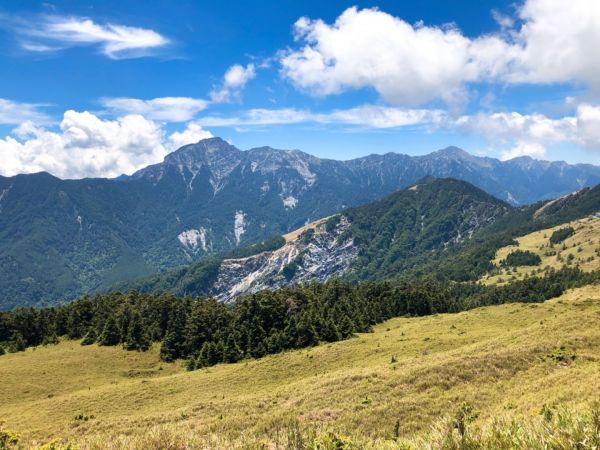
(90, 337)
(174, 342)
(346, 327)
(2, 351)
(110, 333)
(208, 355)
(170, 349)
(192, 363)
(231, 351)
(17, 343)
(137, 338)
(329, 331)
(50, 339)
(307, 336)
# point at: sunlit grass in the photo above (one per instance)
(504, 360)
(584, 246)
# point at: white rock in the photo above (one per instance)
(193, 239)
(239, 225)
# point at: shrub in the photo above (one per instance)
(8, 439)
(90, 337)
(17, 343)
(561, 234)
(331, 441)
(521, 258)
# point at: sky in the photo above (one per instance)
(98, 89)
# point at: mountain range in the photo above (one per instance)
(62, 238)
(444, 228)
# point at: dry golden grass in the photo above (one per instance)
(293, 235)
(583, 245)
(410, 371)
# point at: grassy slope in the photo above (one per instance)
(582, 245)
(497, 357)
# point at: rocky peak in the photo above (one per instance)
(218, 156)
(452, 152)
(213, 152)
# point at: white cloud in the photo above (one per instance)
(370, 116)
(530, 133)
(588, 121)
(192, 134)
(532, 149)
(503, 20)
(168, 109)
(406, 64)
(234, 81)
(38, 48)
(14, 113)
(383, 117)
(510, 126)
(557, 43)
(50, 33)
(86, 146)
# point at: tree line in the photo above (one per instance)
(206, 332)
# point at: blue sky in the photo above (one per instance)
(102, 88)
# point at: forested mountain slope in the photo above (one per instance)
(444, 228)
(62, 238)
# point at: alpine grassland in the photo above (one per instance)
(580, 247)
(517, 375)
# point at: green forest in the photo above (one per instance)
(206, 332)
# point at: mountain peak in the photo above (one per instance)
(452, 151)
(201, 149)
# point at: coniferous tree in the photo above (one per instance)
(170, 348)
(17, 343)
(90, 337)
(307, 335)
(173, 346)
(346, 327)
(208, 355)
(110, 332)
(50, 339)
(192, 363)
(136, 338)
(329, 331)
(231, 351)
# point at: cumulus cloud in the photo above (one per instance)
(588, 122)
(529, 134)
(87, 146)
(234, 81)
(509, 126)
(193, 133)
(557, 43)
(168, 109)
(52, 33)
(532, 149)
(405, 64)
(14, 113)
(410, 64)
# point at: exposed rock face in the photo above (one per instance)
(317, 254)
